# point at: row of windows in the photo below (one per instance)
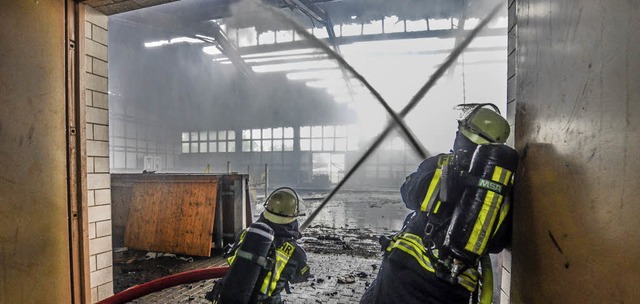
(209, 147)
(209, 142)
(312, 138)
(269, 133)
(267, 140)
(267, 145)
(208, 136)
(323, 132)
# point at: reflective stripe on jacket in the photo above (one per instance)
(411, 245)
(288, 265)
(283, 254)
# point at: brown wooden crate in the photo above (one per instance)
(172, 216)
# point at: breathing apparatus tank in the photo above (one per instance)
(250, 259)
(480, 208)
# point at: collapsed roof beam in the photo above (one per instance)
(279, 59)
(448, 33)
(315, 12)
(221, 9)
(228, 49)
(208, 32)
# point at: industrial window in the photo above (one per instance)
(267, 140)
(323, 138)
(396, 143)
(209, 142)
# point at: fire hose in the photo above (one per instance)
(186, 277)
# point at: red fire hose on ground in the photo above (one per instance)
(186, 277)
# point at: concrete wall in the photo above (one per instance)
(98, 180)
(34, 206)
(576, 234)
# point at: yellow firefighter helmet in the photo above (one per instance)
(483, 126)
(282, 206)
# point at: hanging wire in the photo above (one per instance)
(464, 83)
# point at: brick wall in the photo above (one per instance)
(98, 180)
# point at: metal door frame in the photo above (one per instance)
(76, 152)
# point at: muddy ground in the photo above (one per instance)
(346, 230)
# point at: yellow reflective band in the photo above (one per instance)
(470, 274)
(478, 239)
(504, 210)
(415, 242)
(507, 177)
(432, 191)
(444, 160)
(282, 258)
(501, 175)
(265, 283)
(414, 239)
(233, 257)
(467, 280)
(497, 173)
(504, 177)
(412, 245)
(408, 236)
(468, 285)
(435, 210)
(411, 250)
(304, 269)
(282, 261)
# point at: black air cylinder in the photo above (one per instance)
(243, 274)
(478, 212)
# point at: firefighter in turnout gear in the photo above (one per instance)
(265, 257)
(460, 205)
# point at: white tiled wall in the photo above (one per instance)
(505, 256)
(98, 180)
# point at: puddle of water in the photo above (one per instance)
(378, 212)
(357, 214)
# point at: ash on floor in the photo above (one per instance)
(335, 279)
(342, 249)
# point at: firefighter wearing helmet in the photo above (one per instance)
(282, 206)
(265, 258)
(460, 203)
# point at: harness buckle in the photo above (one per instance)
(428, 229)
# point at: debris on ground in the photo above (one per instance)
(342, 248)
(352, 242)
(153, 255)
(134, 267)
(362, 274)
(347, 279)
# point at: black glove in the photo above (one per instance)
(384, 241)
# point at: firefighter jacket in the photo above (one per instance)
(407, 273)
(288, 262)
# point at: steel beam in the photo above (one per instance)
(199, 31)
(366, 38)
